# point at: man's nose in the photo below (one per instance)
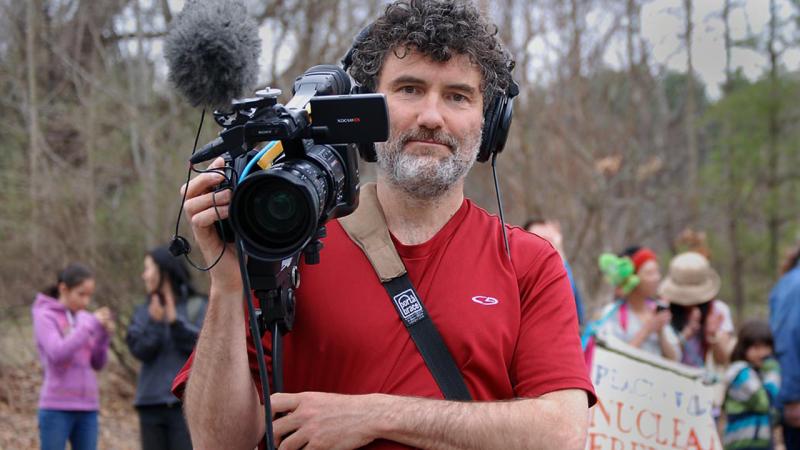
(430, 116)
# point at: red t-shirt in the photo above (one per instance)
(511, 326)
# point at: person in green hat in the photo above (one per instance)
(635, 317)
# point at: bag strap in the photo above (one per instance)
(367, 228)
(623, 316)
(593, 327)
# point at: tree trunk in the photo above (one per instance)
(34, 133)
(91, 150)
(142, 155)
(691, 137)
(773, 127)
(732, 186)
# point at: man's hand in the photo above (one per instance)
(318, 420)
(205, 204)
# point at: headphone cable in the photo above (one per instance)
(500, 204)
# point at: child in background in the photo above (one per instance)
(72, 344)
(753, 380)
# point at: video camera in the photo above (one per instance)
(309, 170)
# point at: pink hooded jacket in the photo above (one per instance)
(69, 356)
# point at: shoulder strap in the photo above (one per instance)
(623, 316)
(593, 327)
(367, 228)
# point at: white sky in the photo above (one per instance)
(662, 25)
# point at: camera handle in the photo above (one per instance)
(273, 283)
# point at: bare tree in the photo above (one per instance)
(733, 208)
(691, 133)
(773, 154)
(34, 132)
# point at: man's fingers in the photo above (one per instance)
(207, 217)
(205, 182)
(283, 402)
(294, 441)
(284, 426)
(206, 201)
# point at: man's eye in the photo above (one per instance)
(459, 98)
(408, 89)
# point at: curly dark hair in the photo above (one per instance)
(438, 30)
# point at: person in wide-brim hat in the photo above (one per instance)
(691, 280)
(703, 322)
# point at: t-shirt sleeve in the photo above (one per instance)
(548, 356)
(179, 383)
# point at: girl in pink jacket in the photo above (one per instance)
(72, 345)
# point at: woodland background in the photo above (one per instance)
(94, 144)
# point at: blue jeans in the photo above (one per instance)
(163, 428)
(56, 427)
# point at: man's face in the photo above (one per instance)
(436, 114)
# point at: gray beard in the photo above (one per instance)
(419, 176)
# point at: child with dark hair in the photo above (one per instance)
(72, 344)
(162, 334)
(753, 380)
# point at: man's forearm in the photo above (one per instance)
(558, 422)
(222, 406)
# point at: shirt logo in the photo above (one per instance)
(484, 300)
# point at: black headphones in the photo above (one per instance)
(496, 119)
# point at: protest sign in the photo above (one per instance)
(645, 403)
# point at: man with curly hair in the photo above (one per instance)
(353, 376)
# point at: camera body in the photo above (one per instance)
(279, 209)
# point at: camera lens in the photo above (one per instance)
(276, 212)
(279, 212)
(272, 211)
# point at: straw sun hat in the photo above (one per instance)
(690, 281)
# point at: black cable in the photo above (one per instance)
(277, 357)
(189, 172)
(256, 335)
(183, 245)
(500, 205)
(222, 229)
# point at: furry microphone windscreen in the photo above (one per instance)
(212, 51)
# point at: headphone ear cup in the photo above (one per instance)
(490, 123)
(367, 152)
(505, 114)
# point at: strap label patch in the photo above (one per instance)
(409, 306)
